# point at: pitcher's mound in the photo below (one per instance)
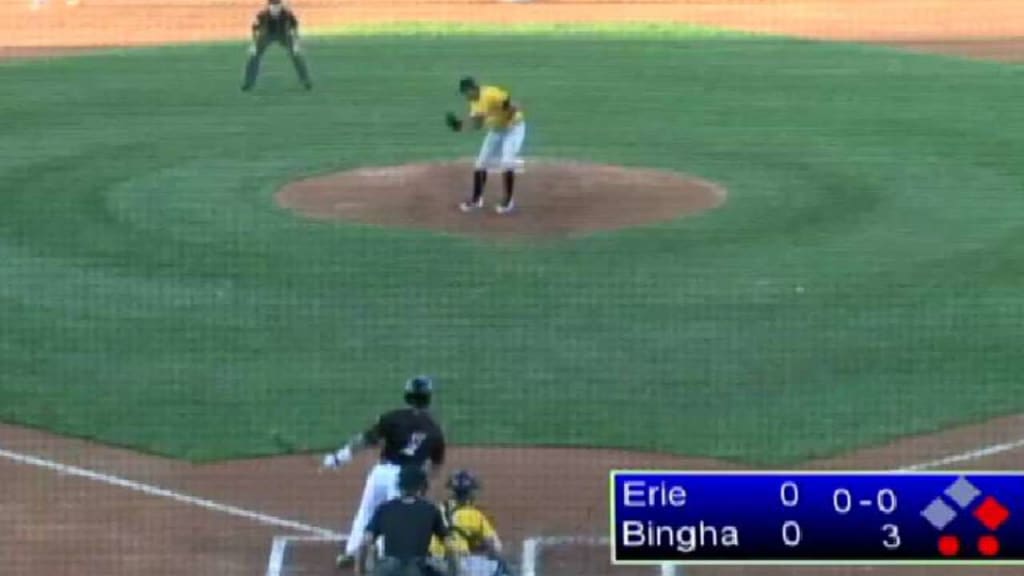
(553, 199)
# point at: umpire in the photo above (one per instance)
(275, 23)
(405, 526)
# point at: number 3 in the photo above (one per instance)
(415, 441)
(892, 536)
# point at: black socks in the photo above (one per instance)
(479, 181)
(510, 184)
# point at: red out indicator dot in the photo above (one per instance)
(988, 545)
(950, 545)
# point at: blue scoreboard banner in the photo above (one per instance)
(817, 517)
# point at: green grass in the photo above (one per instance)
(153, 296)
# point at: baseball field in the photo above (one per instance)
(772, 235)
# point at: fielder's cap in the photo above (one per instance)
(274, 2)
(467, 83)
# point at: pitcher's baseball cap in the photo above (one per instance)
(467, 83)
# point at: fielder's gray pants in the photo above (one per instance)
(252, 67)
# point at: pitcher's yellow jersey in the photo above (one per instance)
(469, 528)
(492, 106)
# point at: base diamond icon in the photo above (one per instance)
(939, 514)
(962, 492)
(992, 514)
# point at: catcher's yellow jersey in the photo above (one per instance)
(492, 106)
(469, 528)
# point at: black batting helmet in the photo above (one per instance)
(412, 479)
(418, 391)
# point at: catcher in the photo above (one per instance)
(473, 539)
(275, 23)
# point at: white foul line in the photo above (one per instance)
(967, 456)
(165, 493)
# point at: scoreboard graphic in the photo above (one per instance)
(807, 517)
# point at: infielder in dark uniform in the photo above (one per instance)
(405, 527)
(275, 23)
(407, 437)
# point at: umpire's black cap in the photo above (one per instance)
(412, 479)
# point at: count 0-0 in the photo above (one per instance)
(884, 500)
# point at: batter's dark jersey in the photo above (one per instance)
(277, 27)
(408, 437)
(406, 526)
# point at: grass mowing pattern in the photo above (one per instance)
(153, 296)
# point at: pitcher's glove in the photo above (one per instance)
(453, 121)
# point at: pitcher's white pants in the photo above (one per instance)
(500, 149)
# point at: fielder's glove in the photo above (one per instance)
(338, 459)
(453, 121)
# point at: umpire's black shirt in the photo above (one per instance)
(406, 525)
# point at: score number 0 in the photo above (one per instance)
(790, 496)
(842, 502)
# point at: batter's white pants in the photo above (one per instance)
(500, 149)
(381, 486)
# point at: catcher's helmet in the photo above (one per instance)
(412, 479)
(418, 391)
(463, 484)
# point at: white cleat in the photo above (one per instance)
(505, 208)
(470, 206)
